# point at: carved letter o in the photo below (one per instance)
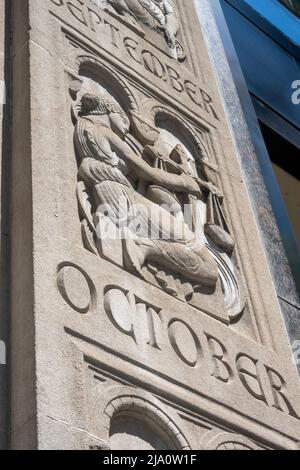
(184, 342)
(76, 288)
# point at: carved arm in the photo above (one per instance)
(178, 183)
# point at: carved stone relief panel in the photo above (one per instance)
(145, 200)
(217, 440)
(151, 204)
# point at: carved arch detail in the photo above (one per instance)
(119, 83)
(193, 136)
(120, 399)
(218, 440)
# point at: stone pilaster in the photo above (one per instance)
(143, 342)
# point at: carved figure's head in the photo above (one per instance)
(93, 105)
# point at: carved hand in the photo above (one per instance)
(191, 185)
(180, 183)
(209, 187)
(214, 190)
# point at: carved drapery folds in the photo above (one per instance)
(145, 201)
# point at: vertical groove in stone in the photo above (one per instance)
(23, 430)
(5, 145)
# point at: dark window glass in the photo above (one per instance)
(285, 156)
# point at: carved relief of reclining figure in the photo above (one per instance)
(111, 171)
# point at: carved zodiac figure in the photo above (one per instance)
(112, 174)
(157, 14)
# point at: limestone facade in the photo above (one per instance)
(143, 312)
